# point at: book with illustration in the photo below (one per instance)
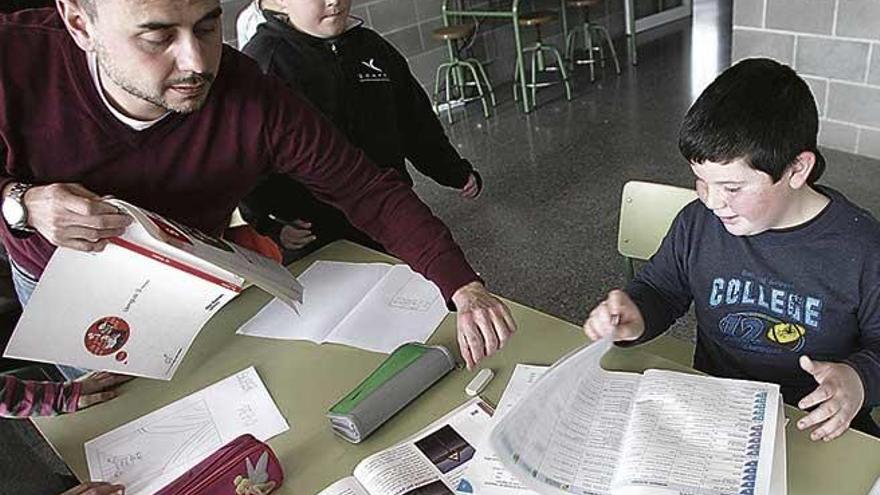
(136, 306)
(434, 461)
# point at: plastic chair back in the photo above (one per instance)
(647, 209)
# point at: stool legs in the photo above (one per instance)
(588, 45)
(534, 86)
(456, 77)
(570, 40)
(538, 65)
(602, 30)
(561, 65)
(473, 70)
(485, 78)
(437, 88)
(449, 92)
(587, 29)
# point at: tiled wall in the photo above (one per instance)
(835, 46)
(408, 25)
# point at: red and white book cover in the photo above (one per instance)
(136, 307)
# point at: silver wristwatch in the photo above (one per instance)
(14, 211)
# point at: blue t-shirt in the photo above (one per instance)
(762, 301)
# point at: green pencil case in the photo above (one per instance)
(406, 373)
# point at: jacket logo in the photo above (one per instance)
(375, 73)
(372, 65)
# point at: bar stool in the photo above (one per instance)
(458, 70)
(587, 29)
(536, 20)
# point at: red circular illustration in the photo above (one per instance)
(121, 355)
(107, 335)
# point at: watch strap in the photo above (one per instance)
(16, 193)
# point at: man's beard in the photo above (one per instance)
(109, 69)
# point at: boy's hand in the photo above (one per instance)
(484, 322)
(297, 235)
(617, 316)
(840, 396)
(471, 189)
(99, 387)
(99, 488)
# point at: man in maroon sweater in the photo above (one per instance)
(140, 100)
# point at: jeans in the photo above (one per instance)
(25, 283)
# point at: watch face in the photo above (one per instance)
(13, 212)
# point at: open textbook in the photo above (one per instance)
(136, 307)
(432, 462)
(153, 450)
(372, 306)
(583, 430)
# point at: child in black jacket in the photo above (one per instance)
(364, 86)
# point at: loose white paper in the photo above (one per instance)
(524, 376)
(373, 306)
(150, 452)
(488, 474)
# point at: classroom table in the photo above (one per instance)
(305, 379)
(513, 14)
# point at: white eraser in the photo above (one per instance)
(479, 382)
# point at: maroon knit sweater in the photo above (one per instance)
(193, 168)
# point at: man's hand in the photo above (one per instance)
(484, 323)
(71, 216)
(297, 235)
(99, 387)
(471, 189)
(840, 395)
(99, 488)
(617, 316)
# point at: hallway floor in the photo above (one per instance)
(544, 232)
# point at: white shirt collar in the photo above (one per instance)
(138, 125)
(248, 21)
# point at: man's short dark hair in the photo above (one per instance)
(759, 110)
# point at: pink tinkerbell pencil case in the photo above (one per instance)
(244, 466)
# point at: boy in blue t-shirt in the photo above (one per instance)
(784, 274)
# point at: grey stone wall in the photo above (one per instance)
(835, 46)
(408, 25)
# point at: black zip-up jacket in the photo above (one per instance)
(364, 86)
